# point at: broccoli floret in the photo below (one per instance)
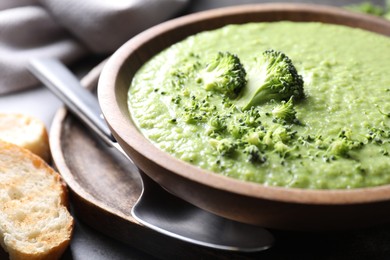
(277, 133)
(343, 144)
(281, 148)
(274, 76)
(379, 135)
(339, 147)
(285, 111)
(254, 154)
(224, 74)
(254, 138)
(381, 112)
(224, 147)
(216, 124)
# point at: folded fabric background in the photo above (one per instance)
(69, 30)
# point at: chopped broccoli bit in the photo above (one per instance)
(224, 74)
(277, 133)
(285, 111)
(254, 155)
(381, 112)
(224, 147)
(254, 138)
(379, 135)
(281, 148)
(216, 124)
(339, 147)
(274, 77)
(343, 144)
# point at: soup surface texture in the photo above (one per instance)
(339, 140)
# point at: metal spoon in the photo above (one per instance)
(156, 208)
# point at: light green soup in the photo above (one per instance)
(346, 75)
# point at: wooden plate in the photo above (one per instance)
(104, 187)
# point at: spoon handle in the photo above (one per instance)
(68, 89)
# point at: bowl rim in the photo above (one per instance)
(129, 134)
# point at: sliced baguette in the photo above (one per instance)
(34, 220)
(25, 131)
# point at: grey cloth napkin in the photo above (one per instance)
(69, 30)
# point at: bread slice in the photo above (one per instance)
(25, 131)
(34, 220)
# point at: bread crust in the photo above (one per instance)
(20, 168)
(25, 131)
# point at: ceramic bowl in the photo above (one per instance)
(274, 207)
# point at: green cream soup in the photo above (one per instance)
(340, 140)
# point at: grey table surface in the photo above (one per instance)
(372, 243)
